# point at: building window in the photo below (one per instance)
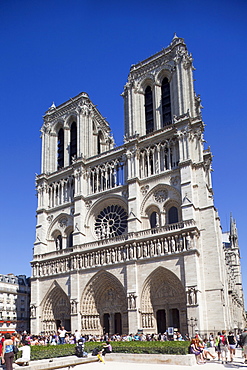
(166, 102)
(111, 222)
(59, 242)
(149, 113)
(154, 220)
(173, 215)
(60, 149)
(99, 142)
(73, 141)
(70, 240)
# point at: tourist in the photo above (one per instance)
(107, 348)
(61, 333)
(243, 343)
(223, 343)
(197, 351)
(25, 358)
(7, 352)
(232, 344)
(217, 345)
(205, 351)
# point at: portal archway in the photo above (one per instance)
(104, 305)
(163, 302)
(56, 311)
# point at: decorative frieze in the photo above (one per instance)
(154, 248)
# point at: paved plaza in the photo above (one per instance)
(238, 363)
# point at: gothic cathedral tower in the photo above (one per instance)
(128, 237)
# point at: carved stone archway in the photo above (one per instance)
(163, 299)
(104, 298)
(56, 311)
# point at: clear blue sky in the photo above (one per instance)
(53, 50)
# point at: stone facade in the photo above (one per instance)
(128, 237)
(14, 303)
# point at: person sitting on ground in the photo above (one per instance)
(25, 358)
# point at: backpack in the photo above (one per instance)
(95, 351)
(223, 340)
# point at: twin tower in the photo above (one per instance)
(127, 237)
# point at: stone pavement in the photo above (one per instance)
(238, 363)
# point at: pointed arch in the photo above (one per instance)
(166, 102)
(73, 141)
(149, 110)
(103, 295)
(163, 292)
(60, 149)
(55, 309)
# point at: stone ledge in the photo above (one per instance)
(56, 363)
(71, 361)
(186, 360)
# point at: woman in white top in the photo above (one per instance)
(25, 358)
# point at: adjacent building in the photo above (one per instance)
(14, 303)
(128, 237)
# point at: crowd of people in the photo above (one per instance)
(222, 346)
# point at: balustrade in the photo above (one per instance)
(128, 250)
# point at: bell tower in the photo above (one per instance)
(159, 89)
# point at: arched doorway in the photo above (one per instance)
(104, 306)
(163, 302)
(56, 311)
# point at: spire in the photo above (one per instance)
(233, 233)
(52, 106)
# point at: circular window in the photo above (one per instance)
(112, 221)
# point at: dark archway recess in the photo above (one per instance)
(118, 323)
(161, 321)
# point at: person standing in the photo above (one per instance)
(224, 346)
(232, 344)
(62, 333)
(7, 352)
(243, 344)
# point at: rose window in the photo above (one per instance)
(112, 221)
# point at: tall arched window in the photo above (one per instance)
(166, 102)
(154, 220)
(70, 240)
(60, 149)
(99, 142)
(149, 112)
(173, 215)
(58, 242)
(73, 141)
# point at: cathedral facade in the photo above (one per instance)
(128, 237)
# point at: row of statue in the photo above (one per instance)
(132, 251)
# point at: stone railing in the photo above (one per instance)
(126, 250)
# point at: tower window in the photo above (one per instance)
(73, 141)
(60, 149)
(149, 113)
(70, 240)
(154, 220)
(173, 215)
(99, 142)
(166, 102)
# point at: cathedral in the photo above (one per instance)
(128, 238)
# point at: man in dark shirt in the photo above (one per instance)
(243, 343)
